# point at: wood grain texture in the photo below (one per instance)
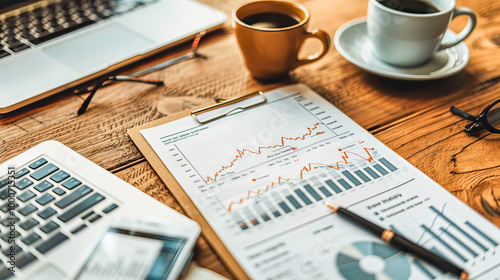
(466, 165)
(410, 117)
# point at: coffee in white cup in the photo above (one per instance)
(408, 32)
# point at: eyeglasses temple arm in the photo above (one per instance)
(194, 53)
(135, 80)
(87, 100)
(131, 77)
(462, 114)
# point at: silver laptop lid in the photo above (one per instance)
(40, 57)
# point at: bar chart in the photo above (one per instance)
(455, 235)
(289, 197)
(446, 233)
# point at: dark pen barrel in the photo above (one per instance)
(428, 256)
(357, 219)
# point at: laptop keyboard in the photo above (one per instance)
(36, 212)
(31, 28)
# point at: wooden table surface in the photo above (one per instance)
(412, 118)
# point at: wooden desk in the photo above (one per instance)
(412, 118)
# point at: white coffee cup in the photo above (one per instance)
(409, 39)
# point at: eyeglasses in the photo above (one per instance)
(489, 118)
(107, 80)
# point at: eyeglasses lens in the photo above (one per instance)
(493, 116)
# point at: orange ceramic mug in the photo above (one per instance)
(270, 35)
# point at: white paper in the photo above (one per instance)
(260, 178)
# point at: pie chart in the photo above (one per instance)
(372, 261)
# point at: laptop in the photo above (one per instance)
(64, 204)
(52, 45)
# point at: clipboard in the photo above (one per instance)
(174, 187)
(364, 152)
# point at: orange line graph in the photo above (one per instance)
(259, 150)
(368, 157)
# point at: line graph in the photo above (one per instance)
(260, 206)
(241, 146)
(289, 146)
(306, 169)
(243, 152)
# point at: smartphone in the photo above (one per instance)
(136, 249)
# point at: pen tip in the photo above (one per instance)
(332, 206)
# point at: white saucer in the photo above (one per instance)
(352, 42)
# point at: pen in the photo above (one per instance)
(401, 242)
(194, 53)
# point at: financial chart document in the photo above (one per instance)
(260, 178)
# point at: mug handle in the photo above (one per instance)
(325, 40)
(467, 29)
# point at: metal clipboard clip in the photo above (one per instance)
(196, 113)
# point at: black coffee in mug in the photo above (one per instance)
(411, 6)
(271, 20)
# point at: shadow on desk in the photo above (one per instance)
(426, 90)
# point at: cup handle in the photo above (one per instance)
(325, 40)
(467, 29)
